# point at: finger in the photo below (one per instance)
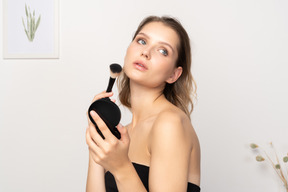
(102, 126)
(94, 149)
(89, 120)
(102, 95)
(124, 133)
(90, 123)
(89, 140)
(94, 140)
(97, 138)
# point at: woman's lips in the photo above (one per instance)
(140, 65)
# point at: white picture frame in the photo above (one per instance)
(40, 19)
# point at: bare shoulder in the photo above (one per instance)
(174, 148)
(172, 123)
(173, 118)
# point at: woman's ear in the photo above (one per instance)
(175, 75)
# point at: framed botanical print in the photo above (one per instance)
(30, 29)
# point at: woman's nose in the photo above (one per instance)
(146, 53)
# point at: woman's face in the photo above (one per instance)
(151, 57)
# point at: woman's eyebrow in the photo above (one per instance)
(161, 42)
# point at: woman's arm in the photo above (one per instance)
(112, 155)
(95, 177)
(170, 148)
(127, 179)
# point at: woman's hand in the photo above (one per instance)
(111, 153)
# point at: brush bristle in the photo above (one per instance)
(115, 68)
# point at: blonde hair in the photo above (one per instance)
(179, 93)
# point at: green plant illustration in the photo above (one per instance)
(31, 26)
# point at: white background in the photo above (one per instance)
(239, 63)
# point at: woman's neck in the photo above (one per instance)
(145, 102)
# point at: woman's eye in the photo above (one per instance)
(164, 52)
(141, 41)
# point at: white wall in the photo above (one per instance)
(239, 62)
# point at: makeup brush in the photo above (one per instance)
(115, 70)
(108, 111)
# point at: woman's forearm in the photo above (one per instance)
(127, 180)
(95, 177)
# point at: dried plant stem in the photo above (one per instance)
(281, 171)
(278, 171)
(281, 176)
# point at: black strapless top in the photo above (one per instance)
(143, 172)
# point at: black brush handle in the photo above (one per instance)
(110, 85)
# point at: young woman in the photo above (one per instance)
(159, 150)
